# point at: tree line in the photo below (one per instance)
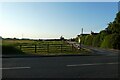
(107, 38)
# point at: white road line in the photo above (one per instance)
(113, 63)
(17, 68)
(89, 64)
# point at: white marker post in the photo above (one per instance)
(79, 41)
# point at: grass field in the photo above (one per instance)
(38, 47)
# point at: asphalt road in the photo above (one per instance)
(61, 67)
(99, 51)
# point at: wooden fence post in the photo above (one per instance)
(20, 47)
(61, 48)
(72, 47)
(48, 48)
(35, 48)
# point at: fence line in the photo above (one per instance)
(48, 47)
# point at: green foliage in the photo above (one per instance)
(116, 42)
(83, 39)
(114, 27)
(76, 39)
(108, 38)
(107, 43)
(96, 41)
(111, 41)
(88, 40)
(8, 49)
(117, 19)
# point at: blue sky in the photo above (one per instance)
(54, 19)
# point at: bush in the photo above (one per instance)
(83, 39)
(116, 42)
(88, 40)
(7, 49)
(108, 38)
(96, 41)
(111, 41)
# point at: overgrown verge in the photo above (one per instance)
(9, 50)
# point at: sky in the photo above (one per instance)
(49, 20)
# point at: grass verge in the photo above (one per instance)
(10, 50)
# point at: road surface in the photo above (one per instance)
(97, 66)
(61, 67)
(99, 51)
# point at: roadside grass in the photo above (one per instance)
(9, 47)
(28, 47)
(10, 50)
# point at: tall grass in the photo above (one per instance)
(28, 47)
(8, 49)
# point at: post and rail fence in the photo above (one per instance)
(47, 48)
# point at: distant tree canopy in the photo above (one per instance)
(114, 27)
(108, 38)
(61, 38)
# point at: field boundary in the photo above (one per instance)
(47, 48)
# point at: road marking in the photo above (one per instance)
(72, 65)
(17, 68)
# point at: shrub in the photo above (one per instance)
(96, 41)
(7, 49)
(111, 41)
(83, 39)
(88, 39)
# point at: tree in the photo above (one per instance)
(111, 41)
(108, 38)
(83, 39)
(61, 38)
(114, 27)
(96, 41)
(88, 39)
